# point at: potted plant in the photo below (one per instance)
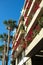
(22, 28)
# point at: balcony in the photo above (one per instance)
(34, 42)
(33, 8)
(27, 7)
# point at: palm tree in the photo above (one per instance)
(10, 25)
(4, 37)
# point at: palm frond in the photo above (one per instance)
(5, 22)
(10, 24)
(1, 57)
(4, 37)
(1, 48)
(1, 36)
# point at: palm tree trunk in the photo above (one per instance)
(4, 52)
(8, 46)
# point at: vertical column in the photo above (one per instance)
(16, 62)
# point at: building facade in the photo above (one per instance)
(27, 46)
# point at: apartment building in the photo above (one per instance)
(27, 46)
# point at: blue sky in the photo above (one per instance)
(9, 9)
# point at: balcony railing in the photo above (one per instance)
(27, 8)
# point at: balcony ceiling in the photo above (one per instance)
(37, 50)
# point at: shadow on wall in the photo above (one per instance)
(37, 60)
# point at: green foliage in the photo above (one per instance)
(1, 36)
(4, 37)
(40, 21)
(1, 48)
(22, 27)
(11, 24)
(5, 22)
(1, 57)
